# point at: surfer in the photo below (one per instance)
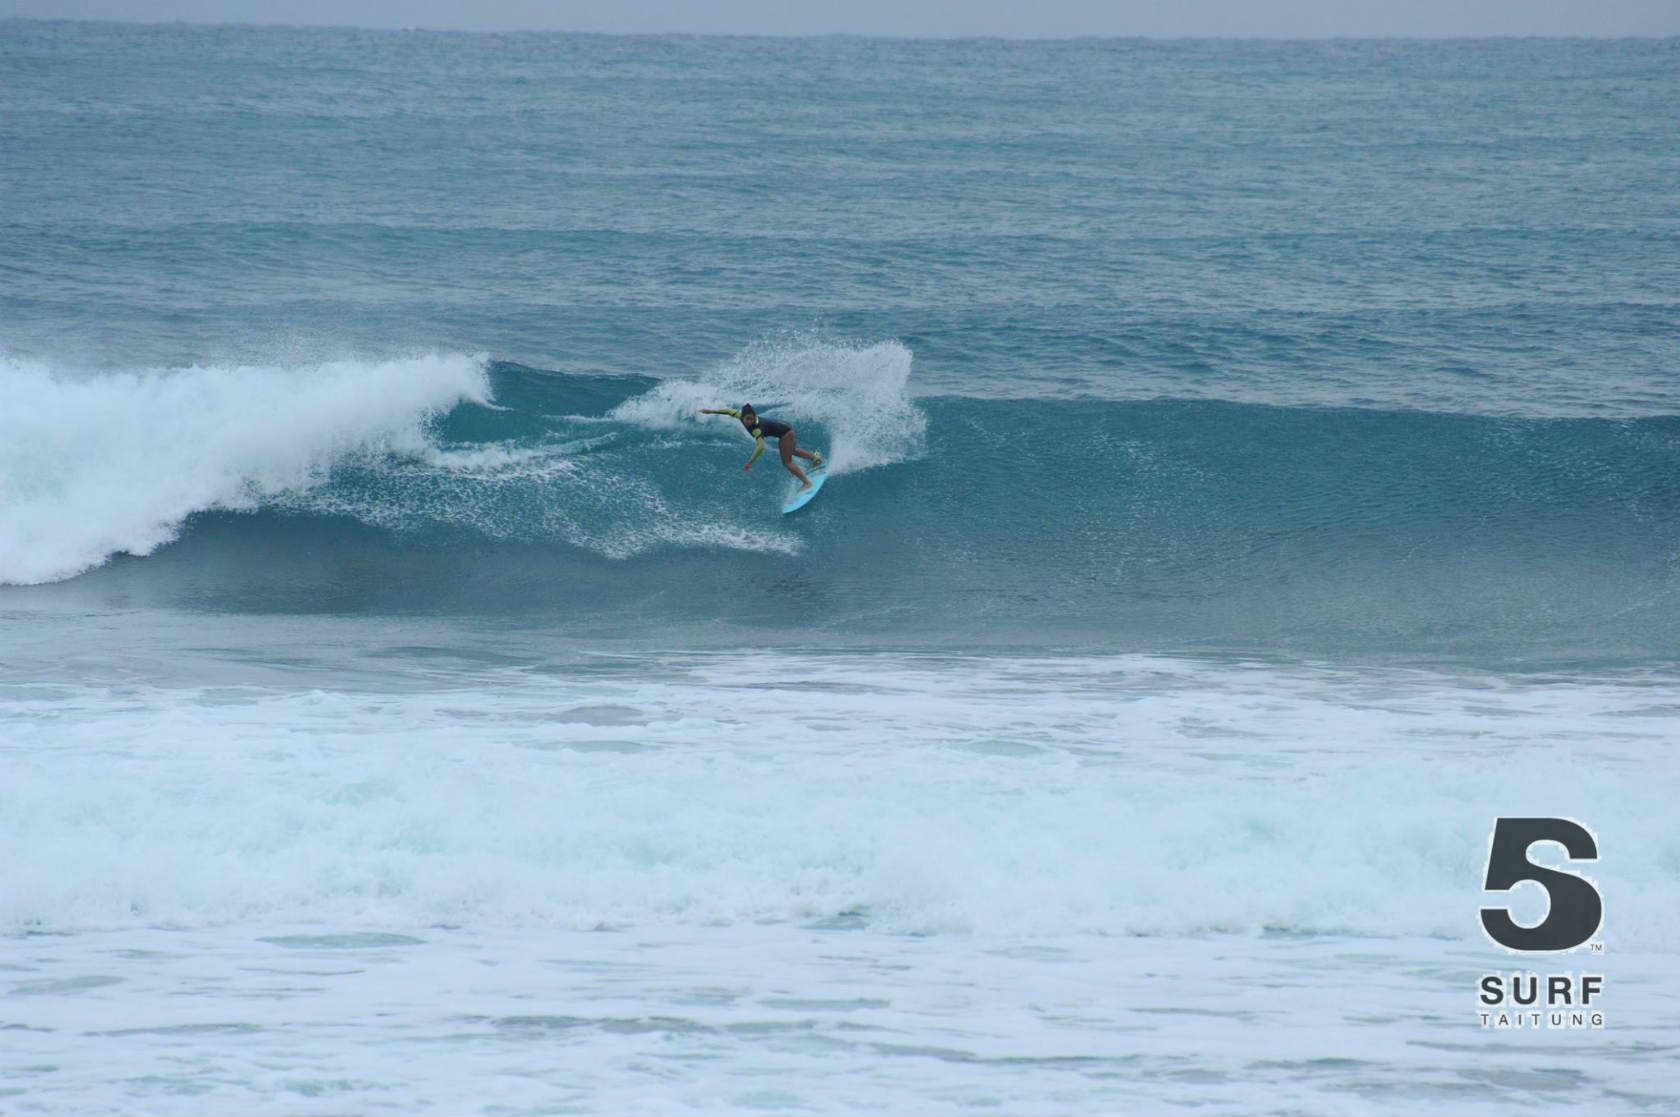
(761, 429)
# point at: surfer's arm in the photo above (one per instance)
(730, 411)
(758, 449)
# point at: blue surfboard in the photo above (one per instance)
(802, 497)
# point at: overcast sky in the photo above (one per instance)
(1015, 18)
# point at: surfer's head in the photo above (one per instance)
(747, 411)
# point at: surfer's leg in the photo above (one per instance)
(811, 456)
(786, 446)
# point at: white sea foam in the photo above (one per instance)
(610, 504)
(993, 798)
(99, 464)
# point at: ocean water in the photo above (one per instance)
(1255, 469)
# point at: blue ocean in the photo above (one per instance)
(1254, 468)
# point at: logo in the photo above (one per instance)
(1574, 908)
(1574, 913)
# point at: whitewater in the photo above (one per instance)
(1254, 472)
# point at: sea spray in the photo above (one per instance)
(851, 401)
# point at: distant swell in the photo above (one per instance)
(607, 506)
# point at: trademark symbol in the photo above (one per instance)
(1597, 947)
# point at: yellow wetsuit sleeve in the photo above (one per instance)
(758, 448)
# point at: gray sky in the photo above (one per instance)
(1016, 18)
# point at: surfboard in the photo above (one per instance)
(802, 497)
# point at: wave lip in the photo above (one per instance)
(91, 466)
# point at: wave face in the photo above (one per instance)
(605, 505)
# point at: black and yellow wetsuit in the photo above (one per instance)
(759, 428)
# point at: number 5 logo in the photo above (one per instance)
(1574, 907)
